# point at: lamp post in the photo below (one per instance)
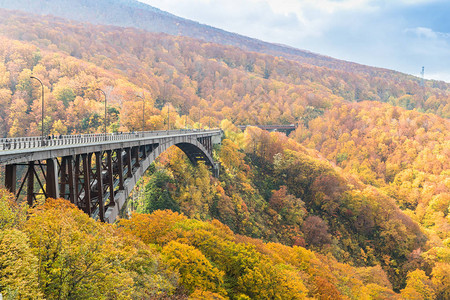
(42, 88)
(143, 111)
(106, 115)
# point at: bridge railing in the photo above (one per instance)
(61, 140)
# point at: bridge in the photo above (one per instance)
(96, 172)
(283, 128)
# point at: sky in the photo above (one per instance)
(402, 35)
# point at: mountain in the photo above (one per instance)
(131, 13)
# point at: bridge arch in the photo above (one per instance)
(196, 152)
(196, 149)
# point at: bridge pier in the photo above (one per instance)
(67, 179)
(10, 178)
(52, 185)
(30, 187)
(99, 185)
(216, 169)
(86, 200)
(119, 157)
(110, 176)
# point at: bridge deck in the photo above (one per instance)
(24, 149)
(290, 127)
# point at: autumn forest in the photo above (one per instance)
(353, 204)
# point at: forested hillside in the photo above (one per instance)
(404, 153)
(275, 189)
(321, 234)
(352, 205)
(59, 252)
(248, 88)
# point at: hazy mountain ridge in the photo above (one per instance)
(130, 13)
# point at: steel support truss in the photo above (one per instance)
(90, 180)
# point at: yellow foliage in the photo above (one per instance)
(205, 295)
(58, 128)
(418, 286)
(157, 228)
(18, 267)
(196, 272)
(81, 258)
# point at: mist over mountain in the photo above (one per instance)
(130, 13)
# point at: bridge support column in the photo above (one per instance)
(30, 186)
(52, 185)
(71, 178)
(86, 183)
(208, 144)
(77, 180)
(129, 165)
(10, 178)
(135, 152)
(144, 152)
(98, 171)
(216, 169)
(110, 177)
(67, 179)
(120, 166)
(64, 178)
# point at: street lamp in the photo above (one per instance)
(105, 109)
(42, 87)
(143, 111)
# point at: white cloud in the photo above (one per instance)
(284, 21)
(325, 6)
(443, 76)
(424, 32)
(417, 2)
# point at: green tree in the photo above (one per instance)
(157, 194)
(64, 94)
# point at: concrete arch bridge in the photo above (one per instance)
(96, 172)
